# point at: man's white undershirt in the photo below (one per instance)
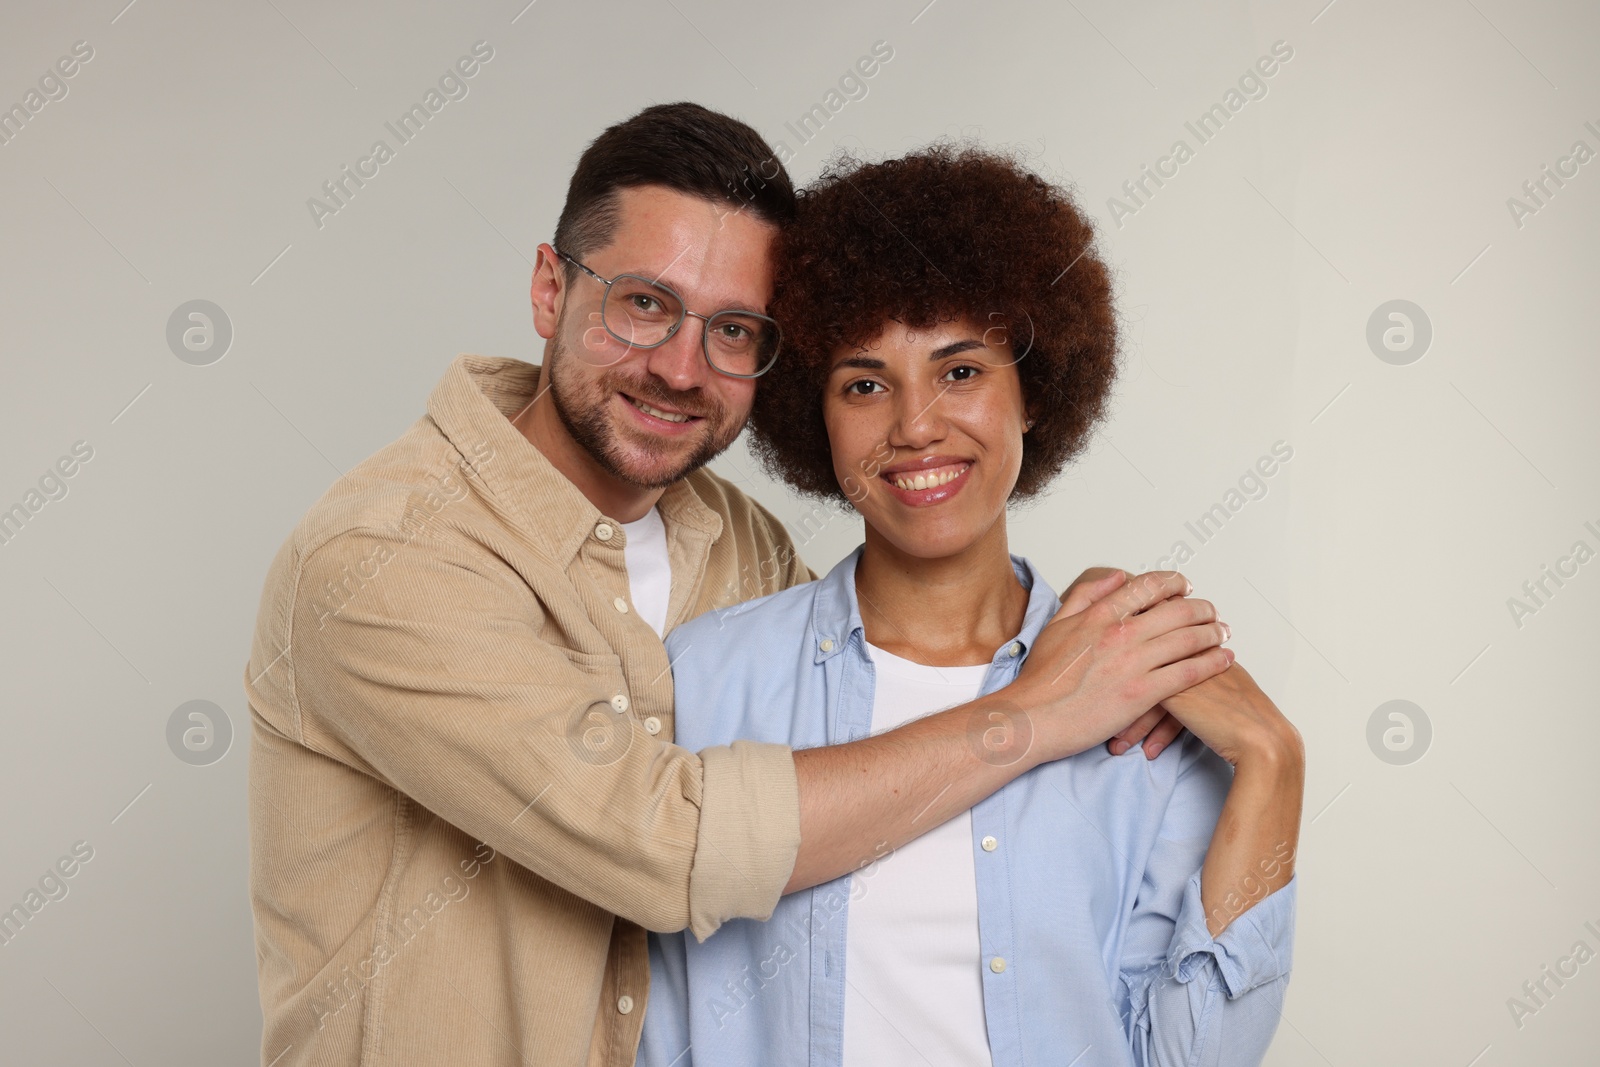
(913, 964)
(649, 570)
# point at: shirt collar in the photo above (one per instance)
(473, 405)
(836, 614)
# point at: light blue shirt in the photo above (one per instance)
(1090, 894)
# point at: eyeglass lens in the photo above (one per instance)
(638, 312)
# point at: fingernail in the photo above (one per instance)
(1118, 747)
(1155, 750)
(1227, 631)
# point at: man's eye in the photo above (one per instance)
(642, 302)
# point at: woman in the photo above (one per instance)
(949, 343)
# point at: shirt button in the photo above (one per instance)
(604, 531)
(998, 964)
(620, 604)
(620, 702)
(990, 844)
(827, 644)
(652, 725)
(1014, 650)
(624, 1004)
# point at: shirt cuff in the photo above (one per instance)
(749, 834)
(1255, 948)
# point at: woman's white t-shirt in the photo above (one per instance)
(913, 963)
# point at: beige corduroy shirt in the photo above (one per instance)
(465, 807)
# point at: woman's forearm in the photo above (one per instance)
(1258, 831)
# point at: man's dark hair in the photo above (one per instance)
(684, 147)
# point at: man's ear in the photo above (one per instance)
(547, 291)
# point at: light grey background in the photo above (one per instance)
(1378, 566)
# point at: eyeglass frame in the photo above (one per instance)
(705, 332)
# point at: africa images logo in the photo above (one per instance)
(1252, 85)
(342, 188)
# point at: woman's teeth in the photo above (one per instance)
(929, 479)
(657, 412)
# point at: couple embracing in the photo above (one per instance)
(718, 810)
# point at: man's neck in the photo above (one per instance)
(942, 612)
(542, 426)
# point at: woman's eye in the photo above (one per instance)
(961, 374)
(862, 388)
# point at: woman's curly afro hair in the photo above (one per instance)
(948, 231)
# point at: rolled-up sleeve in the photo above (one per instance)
(749, 834)
(429, 673)
(1217, 1002)
(1255, 948)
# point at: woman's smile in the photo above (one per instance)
(927, 481)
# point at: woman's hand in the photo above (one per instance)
(1236, 720)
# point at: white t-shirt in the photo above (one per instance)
(913, 963)
(649, 570)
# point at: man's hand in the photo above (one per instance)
(1156, 727)
(1090, 586)
(1095, 670)
(1127, 646)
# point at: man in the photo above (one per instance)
(465, 807)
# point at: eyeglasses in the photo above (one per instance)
(645, 314)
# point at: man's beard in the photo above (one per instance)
(581, 406)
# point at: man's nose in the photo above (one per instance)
(679, 361)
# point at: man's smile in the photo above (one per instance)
(657, 416)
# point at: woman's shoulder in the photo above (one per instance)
(777, 619)
(741, 673)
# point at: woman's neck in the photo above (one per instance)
(945, 612)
